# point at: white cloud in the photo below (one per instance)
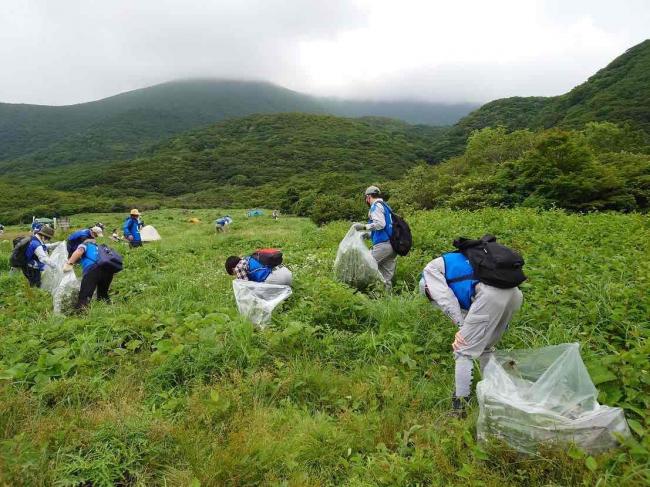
(67, 51)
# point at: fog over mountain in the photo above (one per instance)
(73, 51)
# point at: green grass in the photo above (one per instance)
(168, 386)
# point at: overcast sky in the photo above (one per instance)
(69, 51)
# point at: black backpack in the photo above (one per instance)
(401, 239)
(494, 264)
(108, 259)
(18, 258)
(270, 258)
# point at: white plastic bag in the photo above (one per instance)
(529, 397)
(257, 300)
(149, 234)
(51, 276)
(354, 263)
(64, 286)
(66, 294)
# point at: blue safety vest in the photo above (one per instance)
(30, 253)
(76, 238)
(383, 235)
(257, 272)
(459, 275)
(90, 257)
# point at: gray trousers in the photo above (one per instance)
(483, 327)
(280, 275)
(386, 261)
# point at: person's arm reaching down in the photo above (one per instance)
(440, 292)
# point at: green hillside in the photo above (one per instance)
(618, 93)
(121, 126)
(242, 162)
(169, 386)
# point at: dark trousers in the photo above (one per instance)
(33, 276)
(135, 243)
(95, 279)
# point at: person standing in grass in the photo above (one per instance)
(131, 228)
(36, 256)
(380, 226)
(481, 312)
(95, 278)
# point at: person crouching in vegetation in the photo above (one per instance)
(380, 225)
(131, 228)
(221, 224)
(78, 237)
(480, 303)
(94, 277)
(36, 256)
(261, 266)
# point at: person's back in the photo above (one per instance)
(251, 269)
(482, 313)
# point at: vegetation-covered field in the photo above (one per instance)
(168, 386)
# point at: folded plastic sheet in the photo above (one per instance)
(545, 396)
(354, 263)
(257, 300)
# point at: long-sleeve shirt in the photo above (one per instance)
(42, 255)
(377, 216)
(440, 292)
(131, 228)
(241, 270)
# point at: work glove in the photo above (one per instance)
(67, 267)
(365, 235)
(359, 226)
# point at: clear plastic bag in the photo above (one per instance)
(257, 300)
(354, 262)
(65, 296)
(51, 276)
(64, 286)
(529, 397)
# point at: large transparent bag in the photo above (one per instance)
(64, 286)
(530, 397)
(257, 300)
(51, 276)
(66, 294)
(354, 263)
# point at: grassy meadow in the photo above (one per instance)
(169, 386)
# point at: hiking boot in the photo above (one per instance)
(459, 406)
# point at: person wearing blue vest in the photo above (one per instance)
(94, 278)
(78, 237)
(220, 224)
(250, 269)
(131, 228)
(36, 255)
(480, 311)
(380, 226)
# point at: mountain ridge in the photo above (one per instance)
(52, 135)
